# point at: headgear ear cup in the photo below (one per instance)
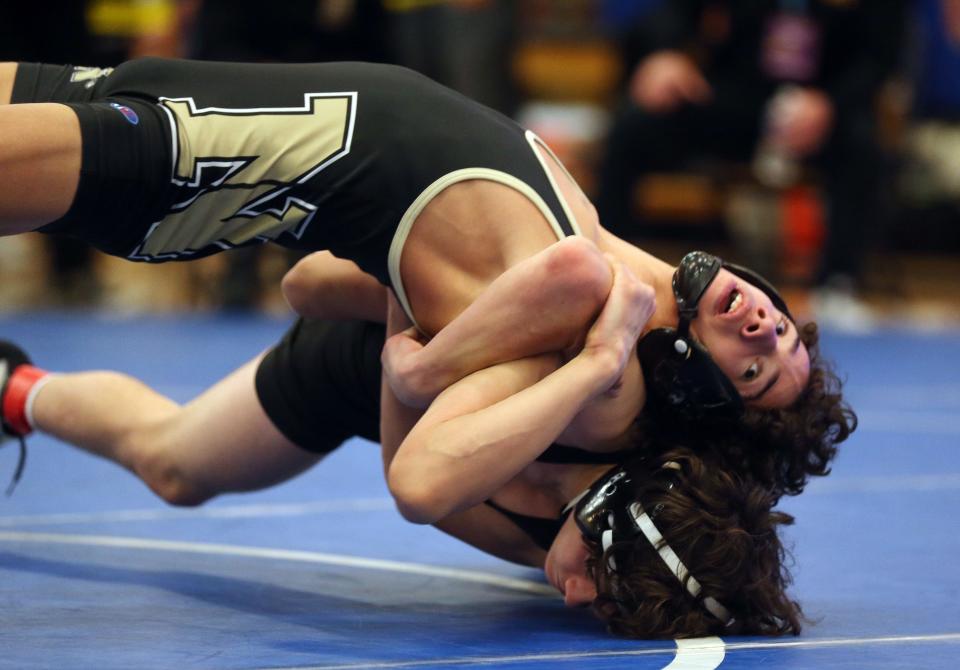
(689, 384)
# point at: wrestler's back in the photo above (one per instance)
(337, 156)
(471, 233)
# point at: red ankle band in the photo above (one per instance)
(15, 397)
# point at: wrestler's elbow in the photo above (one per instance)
(582, 270)
(415, 504)
(417, 499)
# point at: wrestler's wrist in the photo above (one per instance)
(601, 369)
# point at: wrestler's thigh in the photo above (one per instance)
(40, 163)
(224, 440)
(8, 72)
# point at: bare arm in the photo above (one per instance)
(396, 419)
(479, 526)
(323, 286)
(543, 304)
(484, 429)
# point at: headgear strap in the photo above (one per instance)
(676, 566)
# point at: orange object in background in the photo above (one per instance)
(802, 233)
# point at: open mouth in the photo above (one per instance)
(734, 300)
(731, 302)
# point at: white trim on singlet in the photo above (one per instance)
(534, 142)
(433, 190)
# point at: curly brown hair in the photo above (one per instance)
(724, 530)
(800, 440)
(779, 448)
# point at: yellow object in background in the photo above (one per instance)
(412, 5)
(130, 18)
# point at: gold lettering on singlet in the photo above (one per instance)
(237, 171)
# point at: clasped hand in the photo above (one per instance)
(611, 340)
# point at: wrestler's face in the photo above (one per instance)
(566, 566)
(756, 345)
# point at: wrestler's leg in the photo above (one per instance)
(40, 164)
(545, 303)
(220, 442)
(8, 72)
(322, 286)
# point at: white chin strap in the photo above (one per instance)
(669, 556)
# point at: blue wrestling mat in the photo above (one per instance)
(323, 573)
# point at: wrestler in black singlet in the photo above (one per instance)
(320, 386)
(184, 158)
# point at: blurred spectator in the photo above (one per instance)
(464, 44)
(929, 192)
(617, 13)
(937, 75)
(771, 83)
(289, 31)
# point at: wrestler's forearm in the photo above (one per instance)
(480, 526)
(485, 429)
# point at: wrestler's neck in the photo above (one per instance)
(648, 269)
(666, 314)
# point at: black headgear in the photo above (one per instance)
(611, 510)
(679, 373)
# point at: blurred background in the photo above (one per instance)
(818, 141)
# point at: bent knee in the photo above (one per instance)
(416, 503)
(167, 478)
